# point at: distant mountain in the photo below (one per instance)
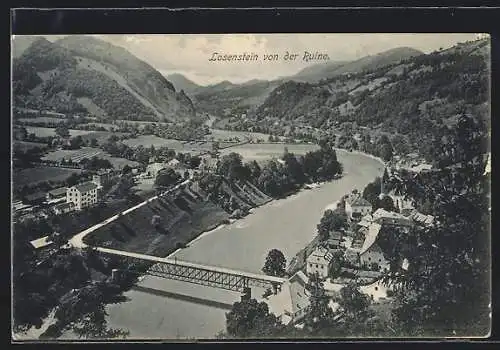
(20, 43)
(331, 69)
(224, 97)
(415, 99)
(180, 82)
(82, 74)
(219, 99)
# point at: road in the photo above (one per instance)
(77, 240)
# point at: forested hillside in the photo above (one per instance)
(414, 102)
(79, 73)
(331, 69)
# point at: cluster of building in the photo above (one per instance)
(361, 256)
(66, 199)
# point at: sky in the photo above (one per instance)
(189, 54)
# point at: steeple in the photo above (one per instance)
(382, 180)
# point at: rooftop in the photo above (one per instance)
(371, 237)
(58, 191)
(86, 186)
(382, 213)
(41, 242)
(320, 253)
(358, 202)
(63, 206)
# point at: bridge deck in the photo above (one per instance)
(156, 259)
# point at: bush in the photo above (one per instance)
(180, 245)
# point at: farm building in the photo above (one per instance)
(82, 195)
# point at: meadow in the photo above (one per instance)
(147, 141)
(264, 152)
(32, 176)
(87, 152)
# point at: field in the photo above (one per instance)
(263, 152)
(25, 145)
(178, 146)
(42, 120)
(225, 135)
(110, 127)
(87, 152)
(85, 134)
(39, 174)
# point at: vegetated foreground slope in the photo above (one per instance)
(417, 98)
(58, 76)
(158, 227)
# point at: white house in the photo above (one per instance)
(82, 195)
(357, 207)
(153, 169)
(319, 262)
(174, 163)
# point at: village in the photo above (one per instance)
(357, 253)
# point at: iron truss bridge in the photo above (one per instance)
(205, 275)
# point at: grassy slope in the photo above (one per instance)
(182, 219)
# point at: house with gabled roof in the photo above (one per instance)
(82, 195)
(356, 207)
(319, 262)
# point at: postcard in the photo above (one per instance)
(250, 186)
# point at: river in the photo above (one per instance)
(286, 224)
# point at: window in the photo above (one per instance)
(369, 259)
(316, 265)
(376, 288)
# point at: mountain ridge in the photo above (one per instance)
(79, 73)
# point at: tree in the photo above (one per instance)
(251, 319)
(156, 221)
(445, 290)
(319, 314)
(126, 169)
(331, 221)
(275, 263)
(72, 180)
(385, 203)
(336, 264)
(354, 306)
(62, 131)
(166, 178)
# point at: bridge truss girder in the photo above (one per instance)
(208, 277)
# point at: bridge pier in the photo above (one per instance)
(247, 294)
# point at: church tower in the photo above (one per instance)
(382, 184)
